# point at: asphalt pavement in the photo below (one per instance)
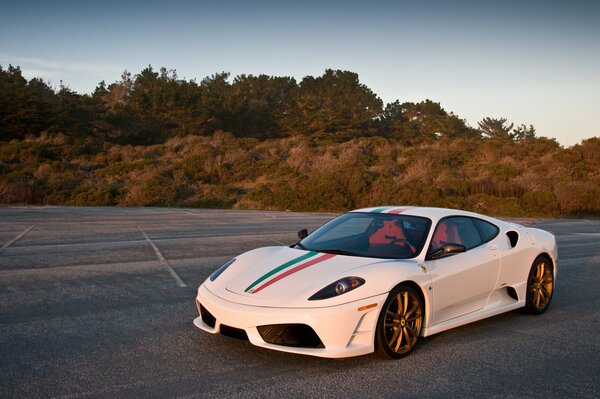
(99, 302)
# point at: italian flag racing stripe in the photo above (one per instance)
(379, 210)
(390, 209)
(399, 210)
(313, 262)
(280, 268)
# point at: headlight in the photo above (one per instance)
(339, 287)
(220, 270)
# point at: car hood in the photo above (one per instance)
(287, 277)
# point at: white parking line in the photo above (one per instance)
(162, 260)
(8, 244)
(279, 242)
(268, 214)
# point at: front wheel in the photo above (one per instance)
(540, 286)
(399, 324)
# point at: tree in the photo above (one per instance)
(118, 92)
(492, 127)
(522, 132)
(26, 108)
(395, 123)
(256, 104)
(213, 102)
(418, 122)
(145, 92)
(333, 104)
(72, 114)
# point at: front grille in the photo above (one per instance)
(296, 335)
(233, 332)
(206, 316)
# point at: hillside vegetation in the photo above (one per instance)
(326, 143)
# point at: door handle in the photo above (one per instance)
(493, 247)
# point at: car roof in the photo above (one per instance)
(430, 212)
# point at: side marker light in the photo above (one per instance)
(373, 305)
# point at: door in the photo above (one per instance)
(461, 282)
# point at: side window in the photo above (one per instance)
(488, 230)
(456, 230)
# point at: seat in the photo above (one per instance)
(390, 233)
(440, 237)
(453, 236)
(446, 233)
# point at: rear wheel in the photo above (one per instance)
(540, 286)
(399, 324)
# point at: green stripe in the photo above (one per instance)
(379, 210)
(280, 268)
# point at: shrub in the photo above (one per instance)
(541, 202)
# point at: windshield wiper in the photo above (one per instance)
(300, 245)
(339, 252)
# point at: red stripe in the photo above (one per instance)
(399, 210)
(294, 270)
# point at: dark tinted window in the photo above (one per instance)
(456, 230)
(375, 235)
(488, 230)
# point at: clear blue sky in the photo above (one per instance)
(533, 62)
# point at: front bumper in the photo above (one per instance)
(344, 330)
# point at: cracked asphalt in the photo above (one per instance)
(99, 302)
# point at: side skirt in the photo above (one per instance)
(471, 317)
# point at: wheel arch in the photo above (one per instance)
(547, 256)
(550, 259)
(422, 296)
(420, 291)
(547, 288)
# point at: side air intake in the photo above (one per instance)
(513, 237)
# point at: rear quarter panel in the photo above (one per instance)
(516, 262)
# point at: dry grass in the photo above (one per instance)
(531, 178)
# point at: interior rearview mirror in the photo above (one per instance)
(302, 234)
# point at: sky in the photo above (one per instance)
(532, 62)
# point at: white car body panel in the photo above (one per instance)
(351, 334)
(484, 281)
(476, 272)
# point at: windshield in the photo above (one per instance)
(374, 235)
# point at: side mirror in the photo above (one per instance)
(448, 249)
(302, 234)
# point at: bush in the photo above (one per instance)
(299, 173)
(541, 202)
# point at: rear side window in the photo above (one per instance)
(488, 230)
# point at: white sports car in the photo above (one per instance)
(378, 279)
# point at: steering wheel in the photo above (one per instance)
(404, 242)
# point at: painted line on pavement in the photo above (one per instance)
(8, 244)
(162, 260)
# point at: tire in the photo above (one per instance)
(400, 321)
(540, 286)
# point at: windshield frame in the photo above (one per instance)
(310, 244)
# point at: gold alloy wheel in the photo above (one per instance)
(541, 284)
(402, 322)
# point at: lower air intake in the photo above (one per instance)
(233, 332)
(206, 316)
(296, 335)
